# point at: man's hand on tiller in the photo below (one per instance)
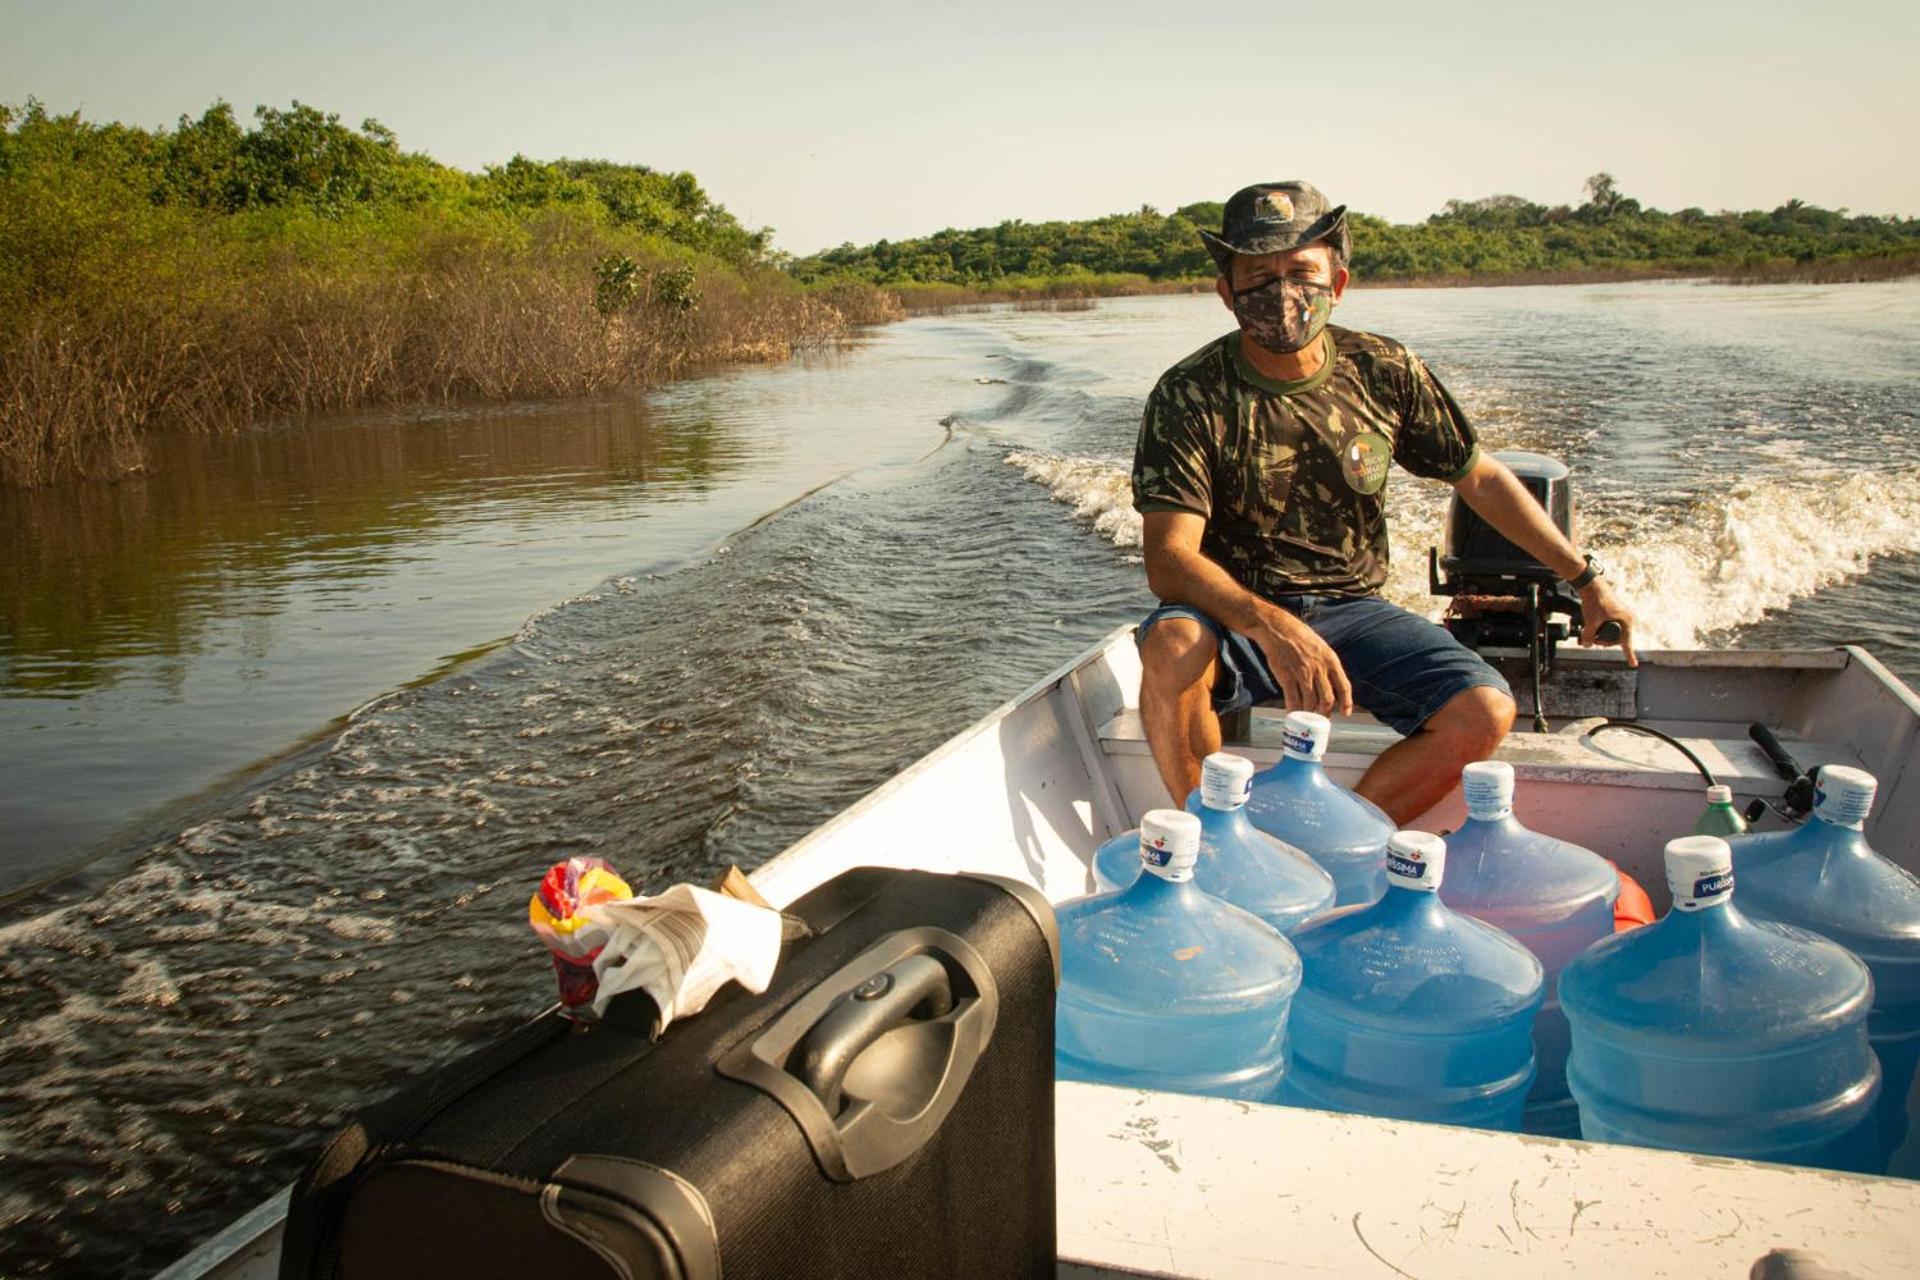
(1599, 605)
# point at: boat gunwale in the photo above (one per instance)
(952, 746)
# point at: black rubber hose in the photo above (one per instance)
(1631, 726)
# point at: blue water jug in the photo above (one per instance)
(1411, 1010)
(1297, 802)
(1238, 863)
(1554, 898)
(1824, 876)
(1164, 986)
(1711, 1032)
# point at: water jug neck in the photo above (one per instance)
(1506, 824)
(1708, 923)
(1227, 824)
(1301, 772)
(1151, 890)
(1410, 906)
(1833, 838)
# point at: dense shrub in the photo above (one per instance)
(1500, 236)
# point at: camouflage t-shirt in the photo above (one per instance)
(1292, 476)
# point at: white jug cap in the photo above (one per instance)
(1416, 860)
(1843, 795)
(1489, 788)
(1304, 734)
(1719, 793)
(1226, 780)
(1169, 843)
(1699, 872)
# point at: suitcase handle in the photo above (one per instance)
(884, 1002)
(872, 1058)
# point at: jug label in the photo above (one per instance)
(1169, 843)
(1404, 867)
(1166, 860)
(1708, 889)
(1415, 860)
(1844, 796)
(1714, 885)
(1699, 872)
(1304, 734)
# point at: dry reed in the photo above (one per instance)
(80, 387)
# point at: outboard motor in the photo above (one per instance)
(1502, 597)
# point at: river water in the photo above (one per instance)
(310, 710)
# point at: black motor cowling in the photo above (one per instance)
(1476, 556)
(1492, 581)
(1503, 598)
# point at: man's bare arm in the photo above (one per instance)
(1308, 671)
(1502, 501)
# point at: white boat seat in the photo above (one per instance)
(1611, 759)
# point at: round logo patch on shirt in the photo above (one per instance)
(1363, 461)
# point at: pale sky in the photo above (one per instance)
(847, 121)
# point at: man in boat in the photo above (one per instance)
(1260, 477)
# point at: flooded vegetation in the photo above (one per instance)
(213, 277)
(1823, 271)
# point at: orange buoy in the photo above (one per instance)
(1633, 907)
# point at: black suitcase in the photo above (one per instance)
(884, 1109)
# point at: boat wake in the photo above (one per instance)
(1098, 491)
(1694, 570)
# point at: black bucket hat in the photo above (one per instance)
(1269, 217)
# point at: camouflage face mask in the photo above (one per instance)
(1283, 315)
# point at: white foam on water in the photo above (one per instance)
(1759, 547)
(1727, 559)
(1100, 491)
(360, 928)
(148, 982)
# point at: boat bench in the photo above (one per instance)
(1571, 754)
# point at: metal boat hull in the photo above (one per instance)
(1164, 1184)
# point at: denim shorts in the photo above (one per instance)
(1402, 667)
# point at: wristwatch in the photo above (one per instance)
(1580, 580)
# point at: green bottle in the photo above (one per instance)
(1721, 818)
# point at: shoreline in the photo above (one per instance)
(1819, 271)
(1067, 294)
(57, 430)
